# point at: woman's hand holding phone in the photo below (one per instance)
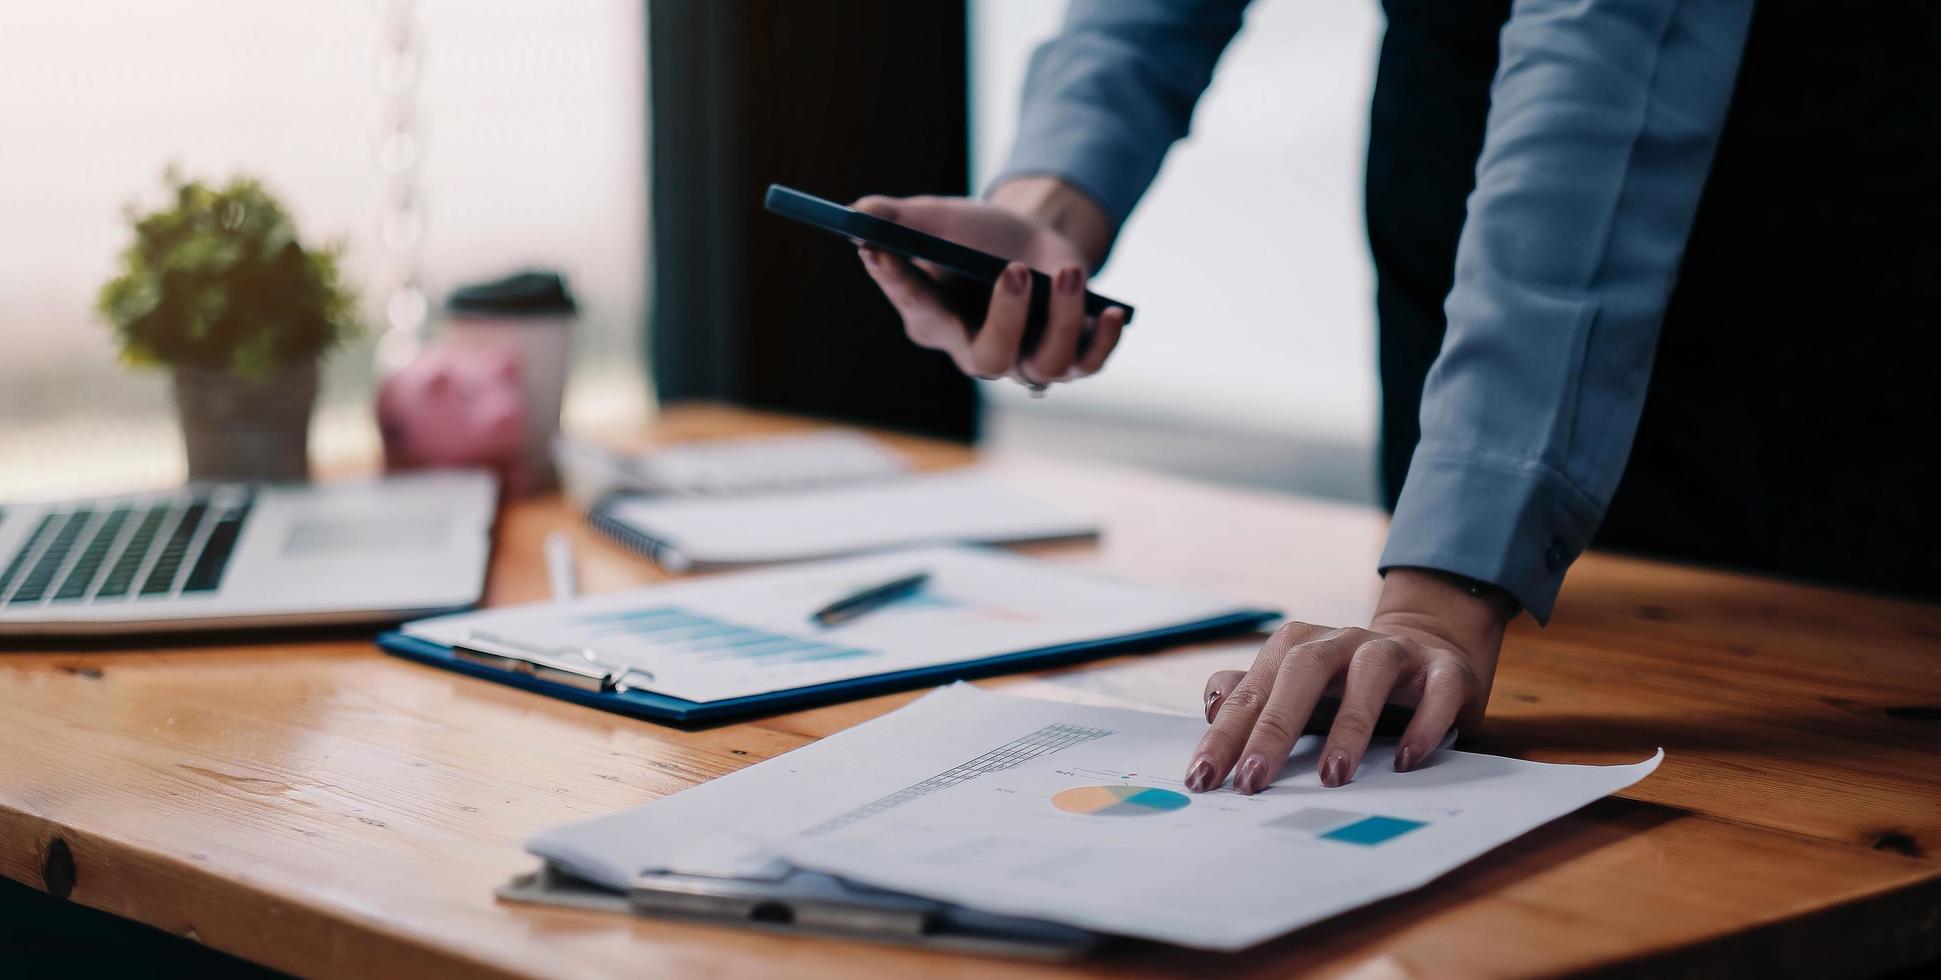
(1037, 222)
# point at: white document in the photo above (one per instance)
(751, 633)
(963, 507)
(1076, 814)
(1168, 683)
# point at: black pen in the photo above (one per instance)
(868, 600)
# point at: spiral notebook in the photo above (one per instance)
(959, 507)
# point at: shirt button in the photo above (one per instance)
(1553, 557)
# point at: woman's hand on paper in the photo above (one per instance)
(1431, 646)
(1042, 224)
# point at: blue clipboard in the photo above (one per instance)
(678, 711)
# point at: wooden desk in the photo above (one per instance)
(325, 809)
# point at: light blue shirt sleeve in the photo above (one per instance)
(1602, 125)
(1603, 121)
(1114, 90)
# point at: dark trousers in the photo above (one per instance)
(1793, 424)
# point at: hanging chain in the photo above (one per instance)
(401, 214)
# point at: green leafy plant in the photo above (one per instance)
(219, 281)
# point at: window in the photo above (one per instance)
(532, 114)
(1248, 259)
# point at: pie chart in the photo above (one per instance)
(1119, 801)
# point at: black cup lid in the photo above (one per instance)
(535, 292)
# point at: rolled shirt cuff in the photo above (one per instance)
(1092, 151)
(1515, 523)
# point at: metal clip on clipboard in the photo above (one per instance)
(807, 902)
(572, 666)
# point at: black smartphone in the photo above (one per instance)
(978, 268)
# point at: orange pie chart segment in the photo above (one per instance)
(1119, 801)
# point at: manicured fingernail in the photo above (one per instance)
(1405, 759)
(1068, 281)
(1211, 696)
(1015, 278)
(1335, 771)
(1253, 774)
(1200, 778)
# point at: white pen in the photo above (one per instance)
(559, 567)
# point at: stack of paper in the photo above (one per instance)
(1075, 814)
(724, 467)
(964, 507)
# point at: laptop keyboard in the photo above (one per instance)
(113, 551)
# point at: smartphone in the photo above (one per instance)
(978, 269)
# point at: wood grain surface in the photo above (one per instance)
(314, 805)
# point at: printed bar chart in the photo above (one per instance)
(681, 632)
(1347, 826)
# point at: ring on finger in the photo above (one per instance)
(1036, 387)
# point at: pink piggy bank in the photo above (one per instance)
(456, 406)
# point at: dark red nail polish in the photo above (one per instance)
(1405, 759)
(1252, 775)
(1200, 778)
(1335, 771)
(1015, 279)
(1068, 282)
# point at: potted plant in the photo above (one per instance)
(218, 289)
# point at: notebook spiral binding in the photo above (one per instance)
(661, 553)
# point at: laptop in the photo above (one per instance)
(235, 555)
